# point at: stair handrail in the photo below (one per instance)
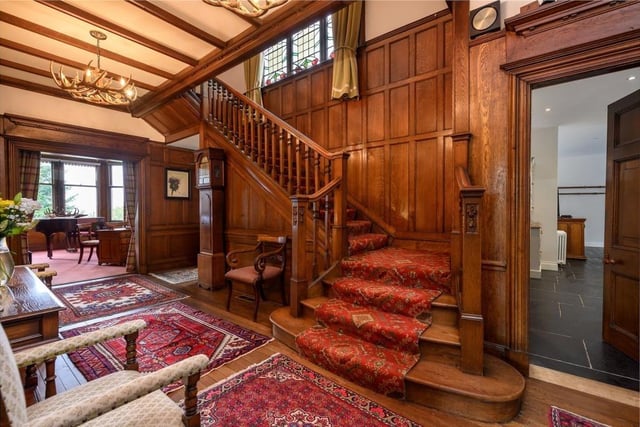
(308, 172)
(466, 262)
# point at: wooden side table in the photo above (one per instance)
(114, 245)
(30, 319)
(574, 227)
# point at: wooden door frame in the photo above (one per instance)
(589, 59)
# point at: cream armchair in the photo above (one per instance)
(123, 398)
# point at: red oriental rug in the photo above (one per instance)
(559, 417)
(174, 332)
(281, 392)
(100, 298)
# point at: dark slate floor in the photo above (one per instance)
(565, 325)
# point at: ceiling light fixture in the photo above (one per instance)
(631, 78)
(250, 8)
(95, 85)
(548, 109)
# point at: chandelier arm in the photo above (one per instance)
(95, 85)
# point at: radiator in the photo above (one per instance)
(562, 247)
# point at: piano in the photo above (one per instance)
(62, 224)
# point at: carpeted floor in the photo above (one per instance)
(109, 296)
(174, 332)
(281, 392)
(559, 417)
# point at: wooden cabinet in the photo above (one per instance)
(574, 227)
(114, 245)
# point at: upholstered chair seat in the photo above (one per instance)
(269, 262)
(123, 398)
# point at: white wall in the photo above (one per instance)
(21, 103)
(544, 150)
(584, 169)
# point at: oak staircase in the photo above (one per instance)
(453, 373)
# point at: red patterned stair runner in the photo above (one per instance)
(370, 332)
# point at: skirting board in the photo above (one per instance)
(548, 265)
(535, 274)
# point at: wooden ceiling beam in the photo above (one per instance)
(47, 90)
(54, 35)
(25, 68)
(173, 20)
(78, 13)
(249, 43)
(60, 60)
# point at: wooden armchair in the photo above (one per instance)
(123, 398)
(268, 266)
(43, 272)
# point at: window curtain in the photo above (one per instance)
(346, 31)
(253, 78)
(29, 181)
(130, 207)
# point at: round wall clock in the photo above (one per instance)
(484, 19)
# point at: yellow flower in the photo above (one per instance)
(6, 203)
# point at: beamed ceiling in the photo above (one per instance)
(167, 47)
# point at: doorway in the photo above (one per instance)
(568, 174)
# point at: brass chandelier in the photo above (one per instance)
(95, 85)
(250, 8)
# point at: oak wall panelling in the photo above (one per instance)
(397, 128)
(172, 224)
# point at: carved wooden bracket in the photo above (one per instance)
(298, 215)
(471, 216)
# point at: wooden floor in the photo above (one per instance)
(618, 407)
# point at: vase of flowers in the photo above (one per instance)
(16, 217)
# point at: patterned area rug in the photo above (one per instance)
(175, 277)
(559, 417)
(254, 397)
(99, 298)
(174, 332)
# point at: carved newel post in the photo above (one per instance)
(210, 183)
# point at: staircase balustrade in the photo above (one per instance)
(466, 265)
(306, 171)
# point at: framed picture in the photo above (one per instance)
(177, 184)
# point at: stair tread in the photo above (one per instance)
(315, 301)
(360, 343)
(282, 318)
(444, 334)
(501, 382)
(405, 267)
(445, 300)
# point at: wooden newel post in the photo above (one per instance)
(340, 244)
(471, 320)
(299, 281)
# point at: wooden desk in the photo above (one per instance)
(114, 246)
(32, 318)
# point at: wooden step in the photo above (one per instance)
(309, 306)
(437, 337)
(444, 310)
(285, 327)
(436, 381)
